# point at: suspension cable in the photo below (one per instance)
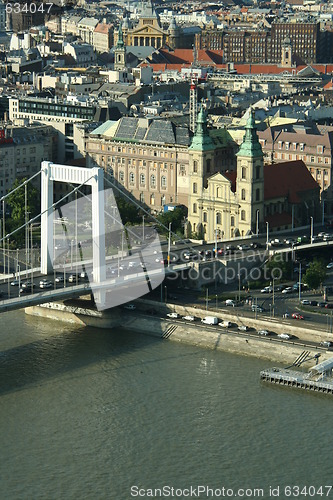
(52, 206)
(18, 187)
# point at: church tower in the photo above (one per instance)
(201, 165)
(286, 53)
(120, 52)
(250, 180)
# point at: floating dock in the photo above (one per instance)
(318, 378)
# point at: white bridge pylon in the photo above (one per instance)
(94, 177)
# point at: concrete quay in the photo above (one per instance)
(197, 334)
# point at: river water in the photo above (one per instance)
(97, 414)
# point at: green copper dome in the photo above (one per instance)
(201, 140)
(120, 43)
(250, 145)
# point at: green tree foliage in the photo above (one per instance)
(16, 201)
(129, 213)
(176, 218)
(315, 274)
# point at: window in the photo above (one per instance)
(163, 182)
(131, 178)
(243, 215)
(153, 181)
(163, 200)
(243, 194)
(218, 218)
(195, 166)
(301, 147)
(111, 172)
(121, 176)
(152, 199)
(142, 179)
(205, 216)
(218, 192)
(232, 221)
(243, 172)
(194, 208)
(142, 197)
(195, 187)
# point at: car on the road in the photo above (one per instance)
(172, 315)
(28, 284)
(263, 332)
(313, 302)
(230, 302)
(225, 324)
(267, 289)
(330, 265)
(243, 328)
(326, 343)
(285, 336)
(130, 307)
(189, 318)
(15, 283)
(305, 302)
(321, 304)
(243, 247)
(256, 245)
(45, 284)
(289, 241)
(59, 279)
(25, 290)
(329, 305)
(288, 289)
(297, 316)
(256, 308)
(72, 278)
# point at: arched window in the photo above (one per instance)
(257, 194)
(194, 208)
(243, 215)
(243, 172)
(163, 181)
(142, 179)
(195, 187)
(131, 178)
(243, 194)
(218, 192)
(232, 221)
(218, 218)
(195, 166)
(153, 181)
(121, 176)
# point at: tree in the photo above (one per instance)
(128, 211)
(16, 201)
(315, 274)
(176, 218)
(278, 267)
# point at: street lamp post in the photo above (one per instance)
(215, 243)
(299, 282)
(267, 234)
(143, 228)
(273, 302)
(257, 222)
(169, 244)
(311, 219)
(19, 278)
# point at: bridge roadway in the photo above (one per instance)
(72, 291)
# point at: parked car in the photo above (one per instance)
(263, 332)
(284, 336)
(305, 302)
(326, 343)
(189, 318)
(243, 328)
(172, 315)
(230, 302)
(297, 316)
(255, 308)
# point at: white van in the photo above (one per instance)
(210, 320)
(230, 302)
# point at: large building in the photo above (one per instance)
(304, 40)
(151, 158)
(299, 142)
(239, 203)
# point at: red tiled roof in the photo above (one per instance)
(328, 86)
(288, 179)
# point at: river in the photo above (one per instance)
(96, 414)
